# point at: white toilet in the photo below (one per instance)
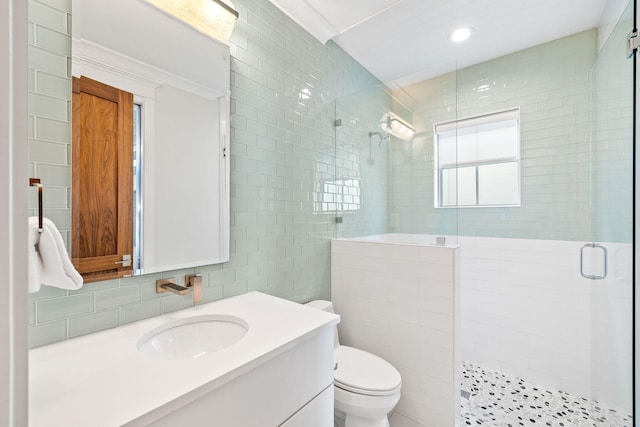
(366, 387)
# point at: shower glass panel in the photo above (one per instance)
(361, 186)
(384, 184)
(611, 223)
(414, 198)
(536, 339)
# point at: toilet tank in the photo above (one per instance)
(321, 304)
(325, 305)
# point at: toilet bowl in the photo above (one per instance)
(366, 387)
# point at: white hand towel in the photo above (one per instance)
(56, 268)
(35, 264)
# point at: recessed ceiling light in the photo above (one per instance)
(461, 34)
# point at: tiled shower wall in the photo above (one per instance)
(284, 87)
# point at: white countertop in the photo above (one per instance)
(102, 380)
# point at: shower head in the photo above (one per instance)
(383, 138)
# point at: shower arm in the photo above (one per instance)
(379, 134)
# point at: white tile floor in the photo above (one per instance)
(497, 399)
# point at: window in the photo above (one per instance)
(478, 161)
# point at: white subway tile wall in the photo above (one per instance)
(284, 87)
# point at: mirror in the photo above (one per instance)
(180, 82)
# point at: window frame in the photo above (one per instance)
(438, 170)
(139, 122)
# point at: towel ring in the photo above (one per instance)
(36, 182)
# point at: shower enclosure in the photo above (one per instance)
(544, 289)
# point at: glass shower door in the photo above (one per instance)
(529, 316)
(606, 258)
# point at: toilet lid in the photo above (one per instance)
(364, 373)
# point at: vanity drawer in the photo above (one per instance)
(317, 413)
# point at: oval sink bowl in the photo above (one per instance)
(193, 336)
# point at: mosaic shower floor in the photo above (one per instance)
(493, 399)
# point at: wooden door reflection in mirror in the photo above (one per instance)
(102, 180)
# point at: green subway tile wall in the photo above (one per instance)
(286, 92)
(49, 108)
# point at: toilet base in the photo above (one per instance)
(345, 420)
(361, 410)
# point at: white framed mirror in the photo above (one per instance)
(180, 82)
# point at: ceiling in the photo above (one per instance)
(405, 41)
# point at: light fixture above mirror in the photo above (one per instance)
(215, 18)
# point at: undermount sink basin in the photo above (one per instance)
(193, 336)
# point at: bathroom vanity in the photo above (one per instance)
(279, 372)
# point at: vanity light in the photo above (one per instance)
(397, 127)
(215, 18)
(461, 34)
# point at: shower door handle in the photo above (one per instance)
(593, 276)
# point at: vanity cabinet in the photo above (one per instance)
(280, 373)
(294, 389)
